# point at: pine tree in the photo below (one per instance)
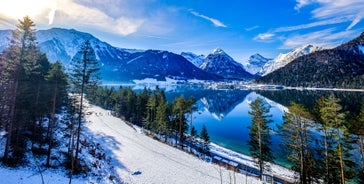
(206, 140)
(162, 114)
(259, 143)
(58, 83)
(179, 108)
(193, 132)
(19, 60)
(297, 138)
(332, 116)
(84, 73)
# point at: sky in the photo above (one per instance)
(240, 27)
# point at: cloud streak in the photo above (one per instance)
(216, 22)
(352, 9)
(326, 38)
(264, 37)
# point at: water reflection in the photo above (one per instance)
(225, 113)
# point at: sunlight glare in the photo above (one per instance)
(17, 9)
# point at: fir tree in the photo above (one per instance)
(206, 140)
(58, 83)
(259, 143)
(298, 139)
(84, 73)
(332, 116)
(20, 60)
(179, 108)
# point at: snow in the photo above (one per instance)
(196, 60)
(133, 157)
(30, 175)
(283, 59)
(141, 159)
(361, 48)
(255, 64)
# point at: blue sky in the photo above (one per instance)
(240, 27)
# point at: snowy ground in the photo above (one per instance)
(122, 153)
(139, 159)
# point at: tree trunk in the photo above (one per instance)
(260, 152)
(341, 158)
(326, 156)
(361, 151)
(11, 120)
(51, 124)
(80, 110)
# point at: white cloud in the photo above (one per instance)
(333, 9)
(302, 3)
(216, 22)
(251, 28)
(326, 38)
(65, 13)
(264, 37)
(313, 24)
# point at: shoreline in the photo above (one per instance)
(277, 170)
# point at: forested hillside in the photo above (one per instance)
(341, 67)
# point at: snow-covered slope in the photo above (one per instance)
(220, 63)
(283, 59)
(140, 159)
(196, 60)
(255, 64)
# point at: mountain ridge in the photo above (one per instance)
(339, 67)
(117, 64)
(220, 63)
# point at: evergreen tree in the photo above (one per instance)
(332, 116)
(259, 143)
(20, 60)
(298, 139)
(162, 114)
(179, 108)
(84, 73)
(193, 132)
(206, 140)
(58, 83)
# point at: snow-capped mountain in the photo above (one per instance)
(160, 64)
(117, 64)
(220, 63)
(255, 64)
(283, 59)
(196, 60)
(339, 67)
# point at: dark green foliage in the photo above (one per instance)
(341, 67)
(193, 132)
(298, 139)
(206, 140)
(84, 75)
(259, 143)
(338, 143)
(179, 109)
(26, 94)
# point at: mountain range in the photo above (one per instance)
(341, 67)
(125, 65)
(117, 64)
(261, 66)
(306, 66)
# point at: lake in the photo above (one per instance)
(225, 112)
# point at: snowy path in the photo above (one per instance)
(139, 159)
